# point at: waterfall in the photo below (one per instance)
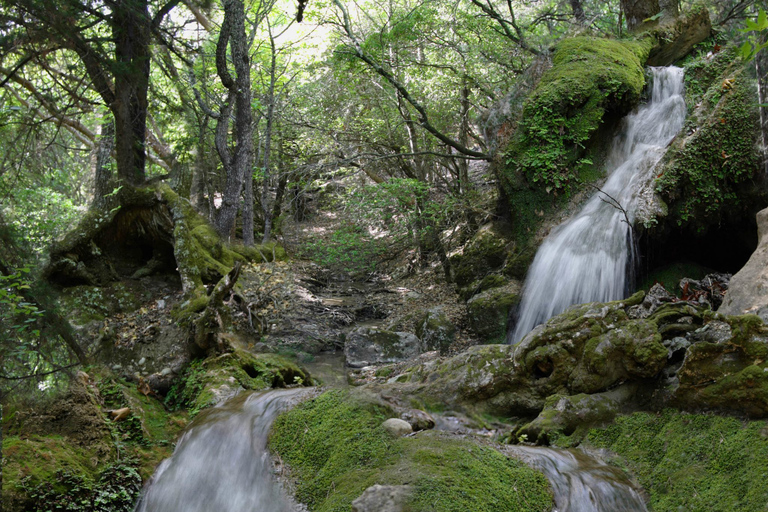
(221, 462)
(581, 483)
(588, 257)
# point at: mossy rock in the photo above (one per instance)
(366, 346)
(336, 448)
(436, 331)
(485, 253)
(707, 178)
(589, 78)
(488, 312)
(691, 461)
(217, 378)
(729, 372)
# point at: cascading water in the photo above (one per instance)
(587, 258)
(221, 463)
(581, 483)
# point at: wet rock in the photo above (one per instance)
(488, 311)
(748, 289)
(397, 427)
(368, 345)
(436, 331)
(382, 498)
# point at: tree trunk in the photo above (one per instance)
(578, 12)
(265, 202)
(233, 32)
(636, 11)
(102, 174)
(131, 28)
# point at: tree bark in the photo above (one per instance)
(102, 174)
(578, 12)
(265, 202)
(637, 11)
(233, 32)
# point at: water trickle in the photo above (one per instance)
(580, 482)
(221, 463)
(588, 257)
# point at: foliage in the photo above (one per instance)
(756, 30)
(336, 448)
(692, 461)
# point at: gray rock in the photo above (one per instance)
(368, 345)
(436, 331)
(656, 296)
(166, 371)
(397, 427)
(748, 289)
(418, 419)
(488, 311)
(382, 498)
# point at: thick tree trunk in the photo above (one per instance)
(102, 174)
(578, 12)
(131, 28)
(265, 202)
(233, 31)
(636, 11)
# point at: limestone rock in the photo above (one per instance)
(489, 310)
(748, 289)
(677, 39)
(397, 427)
(382, 498)
(368, 345)
(436, 331)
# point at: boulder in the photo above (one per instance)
(366, 346)
(397, 427)
(382, 498)
(489, 311)
(418, 419)
(677, 38)
(748, 289)
(436, 331)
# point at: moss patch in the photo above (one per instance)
(589, 78)
(707, 176)
(336, 449)
(692, 461)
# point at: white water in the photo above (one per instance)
(581, 483)
(221, 463)
(588, 257)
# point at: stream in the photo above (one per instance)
(581, 482)
(590, 257)
(221, 463)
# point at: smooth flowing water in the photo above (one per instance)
(588, 257)
(221, 463)
(582, 483)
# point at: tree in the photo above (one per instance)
(112, 41)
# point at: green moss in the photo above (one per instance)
(704, 176)
(486, 252)
(692, 461)
(202, 381)
(336, 449)
(589, 77)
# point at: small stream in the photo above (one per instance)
(581, 482)
(221, 463)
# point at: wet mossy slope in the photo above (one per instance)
(336, 448)
(692, 462)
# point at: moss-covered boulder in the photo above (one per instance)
(215, 379)
(484, 253)
(436, 331)
(489, 311)
(590, 77)
(336, 448)
(727, 369)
